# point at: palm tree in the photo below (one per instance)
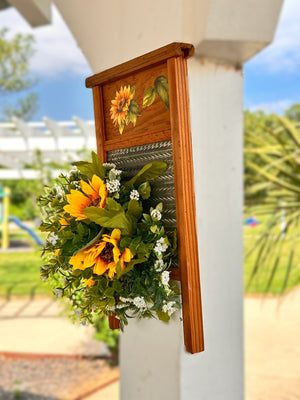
(272, 190)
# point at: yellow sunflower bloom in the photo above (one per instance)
(94, 195)
(104, 255)
(120, 105)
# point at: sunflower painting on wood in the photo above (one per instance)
(124, 109)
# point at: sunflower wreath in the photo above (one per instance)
(105, 250)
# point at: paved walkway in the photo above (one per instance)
(34, 327)
(272, 342)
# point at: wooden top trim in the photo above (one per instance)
(154, 57)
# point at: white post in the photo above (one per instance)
(225, 34)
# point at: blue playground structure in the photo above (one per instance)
(20, 224)
(5, 218)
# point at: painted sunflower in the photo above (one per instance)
(94, 194)
(120, 105)
(104, 256)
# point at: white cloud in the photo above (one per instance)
(284, 53)
(276, 107)
(56, 49)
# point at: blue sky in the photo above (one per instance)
(272, 78)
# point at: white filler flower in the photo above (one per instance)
(113, 186)
(165, 277)
(134, 195)
(109, 165)
(155, 214)
(168, 308)
(139, 302)
(116, 171)
(52, 239)
(159, 265)
(161, 246)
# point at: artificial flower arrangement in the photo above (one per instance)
(106, 250)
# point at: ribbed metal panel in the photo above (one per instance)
(132, 159)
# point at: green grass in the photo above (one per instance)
(19, 272)
(260, 282)
(19, 275)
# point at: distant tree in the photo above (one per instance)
(272, 191)
(15, 76)
(293, 112)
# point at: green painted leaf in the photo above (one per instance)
(162, 89)
(147, 173)
(144, 190)
(132, 90)
(134, 107)
(112, 216)
(131, 117)
(149, 96)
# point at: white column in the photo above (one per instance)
(154, 364)
(216, 104)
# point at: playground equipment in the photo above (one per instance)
(5, 218)
(4, 215)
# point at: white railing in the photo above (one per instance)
(57, 141)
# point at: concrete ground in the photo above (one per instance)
(272, 347)
(272, 342)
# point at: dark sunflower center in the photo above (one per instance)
(95, 203)
(107, 253)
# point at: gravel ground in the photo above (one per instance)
(50, 379)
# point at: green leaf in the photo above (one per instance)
(90, 243)
(159, 207)
(109, 292)
(89, 169)
(135, 209)
(147, 173)
(163, 316)
(97, 165)
(162, 89)
(144, 190)
(124, 242)
(112, 216)
(130, 265)
(119, 269)
(153, 228)
(149, 96)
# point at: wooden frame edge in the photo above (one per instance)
(185, 205)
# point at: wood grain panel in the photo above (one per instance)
(155, 118)
(185, 206)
